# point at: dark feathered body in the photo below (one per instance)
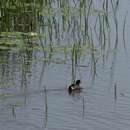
(75, 86)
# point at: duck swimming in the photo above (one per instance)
(75, 86)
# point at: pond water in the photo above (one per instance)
(34, 96)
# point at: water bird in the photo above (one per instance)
(75, 86)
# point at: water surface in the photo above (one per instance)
(33, 93)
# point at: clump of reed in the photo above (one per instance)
(66, 24)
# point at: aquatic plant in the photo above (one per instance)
(61, 27)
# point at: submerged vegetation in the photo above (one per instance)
(74, 29)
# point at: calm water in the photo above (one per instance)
(25, 105)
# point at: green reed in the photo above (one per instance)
(46, 107)
(124, 27)
(115, 8)
(63, 23)
(74, 59)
